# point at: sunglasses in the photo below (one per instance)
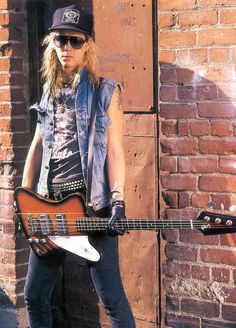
(75, 41)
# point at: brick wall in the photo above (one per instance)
(14, 140)
(197, 52)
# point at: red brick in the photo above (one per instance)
(228, 16)
(227, 165)
(170, 198)
(217, 110)
(4, 35)
(206, 17)
(169, 128)
(166, 56)
(227, 91)
(186, 57)
(221, 201)
(213, 3)
(185, 75)
(205, 323)
(197, 165)
(4, 64)
(181, 321)
(172, 269)
(198, 56)
(4, 19)
(219, 55)
(184, 200)
(183, 128)
(200, 200)
(219, 256)
(6, 140)
(5, 125)
(179, 146)
(220, 274)
(176, 4)
(199, 307)
(217, 37)
(168, 163)
(166, 20)
(180, 214)
(177, 39)
(184, 253)
(216, 146)
(229, 312)
(228, 239)
(168, 74)
(200, 128)
(170, 235)
(5, 94)
(172, 304)
(178, 111)
(217, 183)
(197, 237)
(197, 92)
(183, 57)
(200, 272)
(179, 182)
(4, 79)
(221, 128)
(168, 93)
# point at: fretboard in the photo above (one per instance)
(61, 226)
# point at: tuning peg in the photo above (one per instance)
(232, 208)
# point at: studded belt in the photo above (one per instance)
(66, 186)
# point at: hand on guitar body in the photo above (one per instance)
(117, 212)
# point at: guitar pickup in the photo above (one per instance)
(62, 227)
(45, 224)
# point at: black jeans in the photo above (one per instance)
(105, 274)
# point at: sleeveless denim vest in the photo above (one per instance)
(100, 191)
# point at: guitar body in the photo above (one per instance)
(39, 212)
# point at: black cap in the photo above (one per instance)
(72, 18)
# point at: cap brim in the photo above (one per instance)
(66, 27)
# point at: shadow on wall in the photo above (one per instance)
(8, 314)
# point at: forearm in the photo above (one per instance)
(33, 163)
(116, 172)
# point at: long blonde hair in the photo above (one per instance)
(51, 67)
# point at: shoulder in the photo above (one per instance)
(106, 90)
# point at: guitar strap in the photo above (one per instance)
(91, 135)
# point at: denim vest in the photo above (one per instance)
(100, 191)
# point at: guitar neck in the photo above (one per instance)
(100, 224)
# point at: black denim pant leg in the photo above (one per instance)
(41, 278)
(108, 284)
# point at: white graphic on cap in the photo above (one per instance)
(71, 16)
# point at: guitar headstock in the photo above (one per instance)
(217, 223)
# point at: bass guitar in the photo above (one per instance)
(50, 224)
